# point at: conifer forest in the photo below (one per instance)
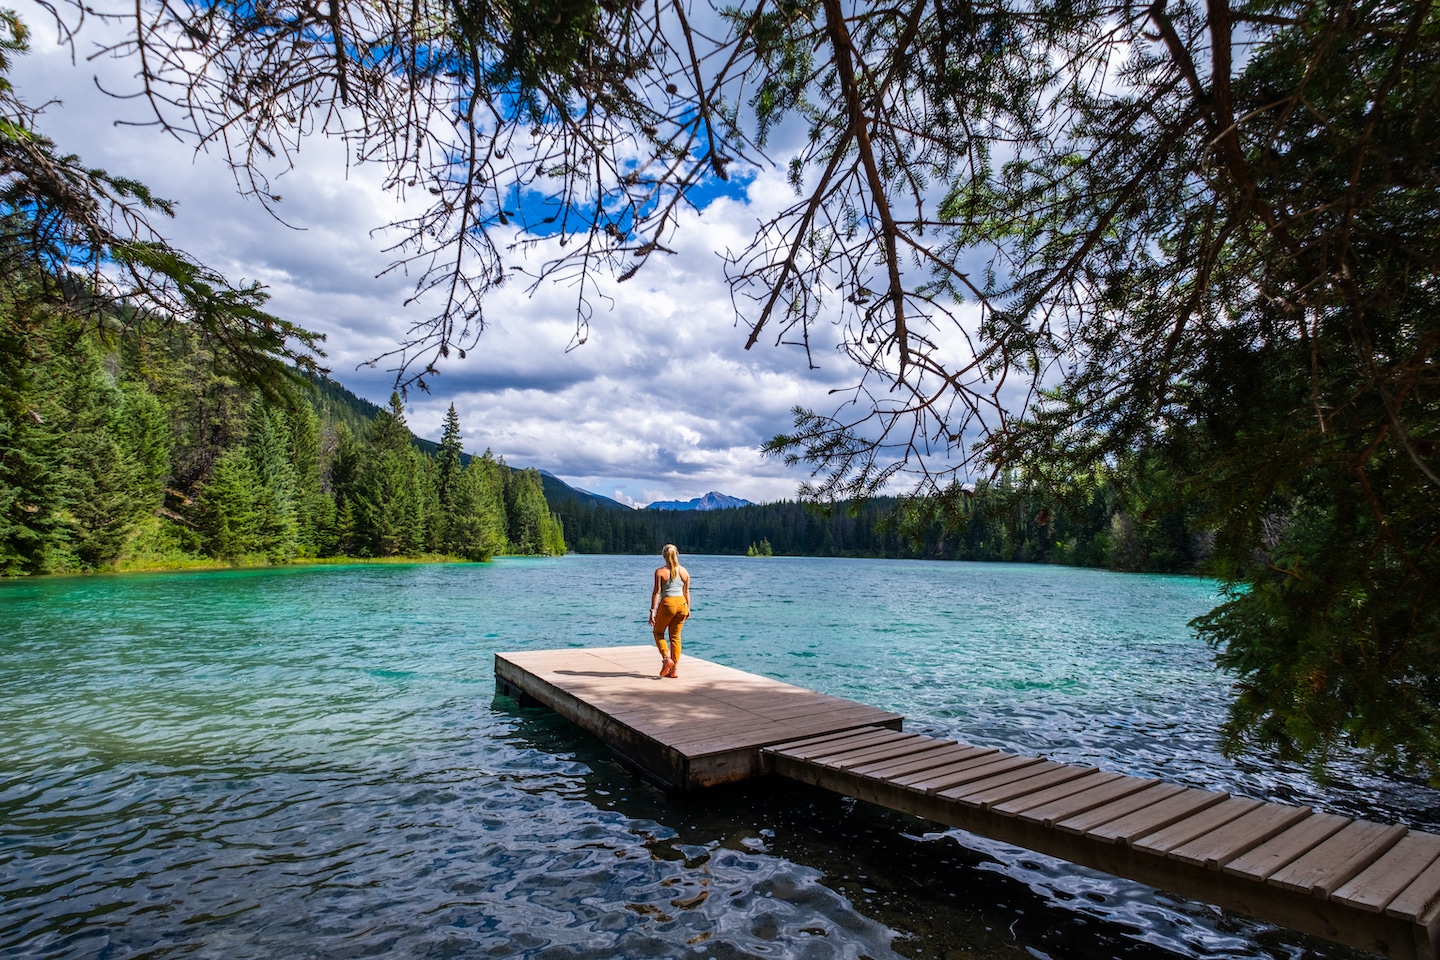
(140, 453)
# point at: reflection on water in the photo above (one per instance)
(313, 763)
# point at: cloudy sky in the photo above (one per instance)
(661, 402)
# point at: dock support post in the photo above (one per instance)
(522, 699)
(1427, 936)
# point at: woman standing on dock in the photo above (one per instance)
(669, 606)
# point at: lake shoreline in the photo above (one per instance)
(204, 565)
(210, 565)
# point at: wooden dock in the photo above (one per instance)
(704, 728)
(1368, 885)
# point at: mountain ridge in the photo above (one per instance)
(714, 500)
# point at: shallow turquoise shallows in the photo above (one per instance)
(313, 763)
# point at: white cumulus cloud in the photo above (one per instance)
(661, 402)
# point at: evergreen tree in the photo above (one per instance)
(447, 479)
(28, 494)
(533, 529)
(230, 514)
(390, 499)
(552, 534)
(111, 458)
(27, 521)
(314, 510)
(475, 529)
(270, 454)
(425, 508)
(447, 458)
(343, 479)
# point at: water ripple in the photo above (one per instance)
(260, 764)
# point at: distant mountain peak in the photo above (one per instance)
(714, 500)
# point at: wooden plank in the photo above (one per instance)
(1064, 774)
(1181, 832)
(809, 741)
(861, 752)
(1089, 820)
(1290, 845)
(1157, 816)
(1338, 858)
(692, 733)
(752, 739)
(713, 725)
(1427, 933)
(1050, 812)
(894, 752)
(879, 749)
(861, 737)
(820, 740)
(1395, 938)
(723, 737)
(782, 705)
(1218, 847)
(1005, 774)
(1419, 898)
(1374, 887)
(928, 760)
(732, 726)
(912, 779)
(981, 771)
(1059, 791)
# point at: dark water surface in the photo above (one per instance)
(313, 763)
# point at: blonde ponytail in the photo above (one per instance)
(672, 559)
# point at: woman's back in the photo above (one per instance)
(673, 585)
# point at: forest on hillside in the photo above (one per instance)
(1114, 523)
(140, 452)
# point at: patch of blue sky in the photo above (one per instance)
(56, 243)
(542, 212)
(545, 213)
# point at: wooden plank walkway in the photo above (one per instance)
(1369, 885)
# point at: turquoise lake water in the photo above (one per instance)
(313, 763)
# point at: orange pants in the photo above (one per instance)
(670, 614)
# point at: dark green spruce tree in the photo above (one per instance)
(344, 479)
(533, 528)
(448, 469)
(476, 528)
(390, 498)
(229, 508)
(270, 453)
(314, 509)
(112, 458)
